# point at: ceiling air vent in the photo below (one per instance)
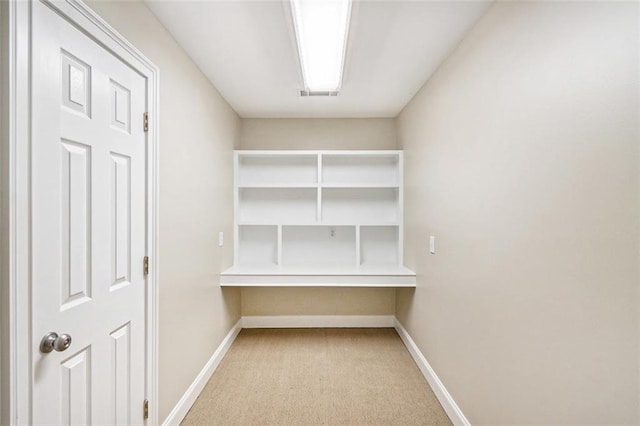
(318, 93)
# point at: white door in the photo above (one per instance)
(88, 227)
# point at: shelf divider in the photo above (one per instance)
(319, 202)
(279, 245)
(358, 249)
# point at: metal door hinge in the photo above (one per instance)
(145, 121)
(145, 410)
(145, 265)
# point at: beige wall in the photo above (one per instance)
(197, 134)
(318, 301)
(318, 133)
(522, 159)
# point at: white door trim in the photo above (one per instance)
(16, 143)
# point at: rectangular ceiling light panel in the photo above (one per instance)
(321, 31)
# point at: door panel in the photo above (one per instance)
(76, 389)
(88, 199)
(120, 402)
(120, 221)
(75, 248)
(76, 84)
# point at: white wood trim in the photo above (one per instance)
(278, 185)
(16, 146)
(360, 185)
(446, 400)
(381, 152)
(315, 321)
(17, 142)
(318, 321)
(321, 223)
(4, 201)
(184, 404)
(316, 281)
(153, 245)
(275, 276)
(315, 271)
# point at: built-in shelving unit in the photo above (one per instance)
(318, 218)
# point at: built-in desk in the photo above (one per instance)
(266, 276)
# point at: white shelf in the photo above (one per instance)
(318, 218)
(358, 185)
(314, 185)
(317, 276)
(317, 223)
(280, 185)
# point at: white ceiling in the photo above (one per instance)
(248, 51)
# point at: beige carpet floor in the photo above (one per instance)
(317, 377)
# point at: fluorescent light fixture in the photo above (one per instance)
(321, 31)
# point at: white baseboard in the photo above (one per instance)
(450, 407)
(318, 321)
(184, 404)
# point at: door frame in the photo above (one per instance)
(16, 350)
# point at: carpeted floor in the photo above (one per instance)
(317, 376)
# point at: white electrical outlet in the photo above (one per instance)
(432, 244)
(220, 239)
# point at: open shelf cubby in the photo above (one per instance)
(360, 205)
(258, 245)
(318, 218)
(379, 168)
(379, 246)
(308, 246)
(277, 205)
(277, 170)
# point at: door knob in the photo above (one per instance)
(51, 341)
